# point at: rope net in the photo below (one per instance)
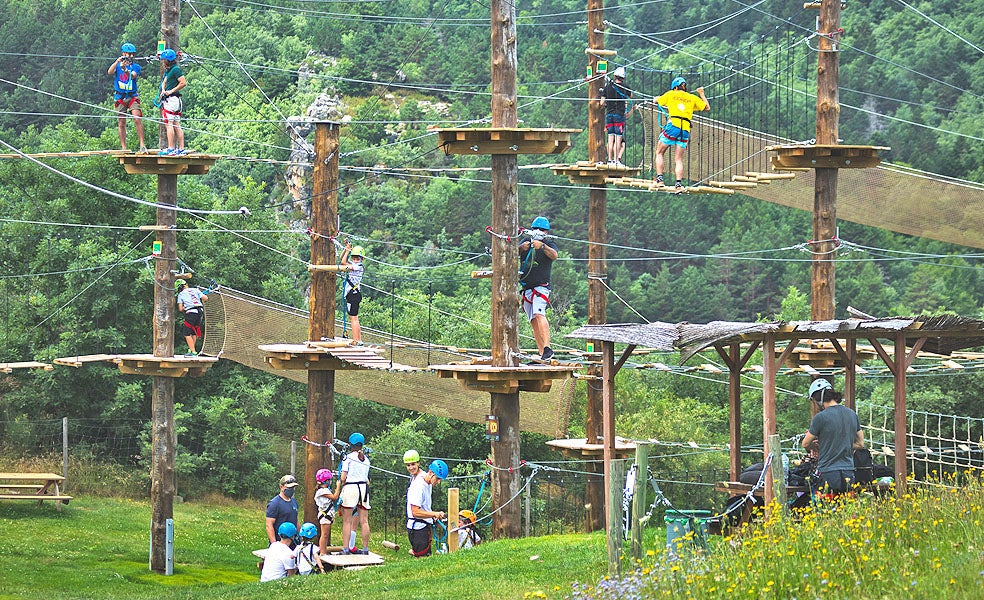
(239, 323)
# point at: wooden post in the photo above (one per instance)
(616, 485)
(608, 426)
(850, 375)
(528, 498)
(825, 185)
(597, 267)
(64, 449)
(453, 520)
(774, 450)
(901, 450)
(321, 324)
(505, 276)
(768, 405)
(734, 412)
(162, 401)
(639, 504)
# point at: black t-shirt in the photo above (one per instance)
(534, 269)
(616, 96)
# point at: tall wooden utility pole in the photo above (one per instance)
(597, 267)
(505, 274)
(825, 185)
(321, 324)
(162, 439)
(162, 487)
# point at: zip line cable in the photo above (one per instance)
(940, 25)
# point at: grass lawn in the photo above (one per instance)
(98, 548)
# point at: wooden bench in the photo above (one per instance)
(33, 486)
(335, 559)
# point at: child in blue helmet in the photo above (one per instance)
(172, 82)
(536, 256)
(279, 560)
(355, 495)
(420, 516)
(307, 555)
(680, 104)
(126, 100)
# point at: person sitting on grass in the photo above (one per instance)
(307, 555)
(279, 561)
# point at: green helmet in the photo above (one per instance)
(411, 456)
(357, 251)
(179, 283)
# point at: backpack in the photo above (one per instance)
(863, 466)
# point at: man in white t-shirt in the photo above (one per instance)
(279, 560)
(420, 517)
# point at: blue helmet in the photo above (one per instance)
(128, 47)
(677, 82)
(541, 223)
(169, 54)
(356, 439)
(308, 531)
(819, 385)
(287, 529)
(439, 468)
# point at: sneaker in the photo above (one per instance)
(618, 163)
(548, 353)
(678, 188)
(346, 551)
(192, 354)
(166, 152)
(178, 152)
(143, 149)
(364, 552)
(659, 180)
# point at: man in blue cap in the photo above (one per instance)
(536, 256)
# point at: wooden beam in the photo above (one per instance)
(769, 405)
(901, 468)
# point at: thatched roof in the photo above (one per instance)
(944, 333)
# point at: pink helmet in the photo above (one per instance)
(323, 475)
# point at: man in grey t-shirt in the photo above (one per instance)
(837, 432)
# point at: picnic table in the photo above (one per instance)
(33, 486)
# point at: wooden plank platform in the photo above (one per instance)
(339, 560)
(333, 355)
(9, 367)
(152, 164)
(579, 447)
(585, 172)
(79, 360)
(505, 380)
(825, 156)
(164, 366)
(504, 140)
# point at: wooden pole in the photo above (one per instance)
(901, 467)
(616, 485)
(774, 450)
(734, 411)
(597, 267)
(639, 504)
(505, 276)
(321, 324)
(825, 186)
(608, 425)
(453, 520)
(768, 405)
(162, 401)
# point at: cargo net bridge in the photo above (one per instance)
(237, 323)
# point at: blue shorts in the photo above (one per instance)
(615, 124)
(674, 136)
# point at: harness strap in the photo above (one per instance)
(534, 292)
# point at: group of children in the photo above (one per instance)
(126, 99)
(303, 559)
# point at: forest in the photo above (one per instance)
(75, 278)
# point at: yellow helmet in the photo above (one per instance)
(357, 251)
(467, 517)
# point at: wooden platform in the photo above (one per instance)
(585, 172)
(152, 164)
(146, 364)
(580, 448)
(504, 140)
(339, 560)
(825, 156)
(9, 367)
(332, 355)
(505, 380)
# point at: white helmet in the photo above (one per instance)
(619, 72)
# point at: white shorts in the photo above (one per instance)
(355, 494)
(535, 300)
(171, 109)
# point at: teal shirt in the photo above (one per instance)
(170, 79)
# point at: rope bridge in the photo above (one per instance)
(237, 323)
